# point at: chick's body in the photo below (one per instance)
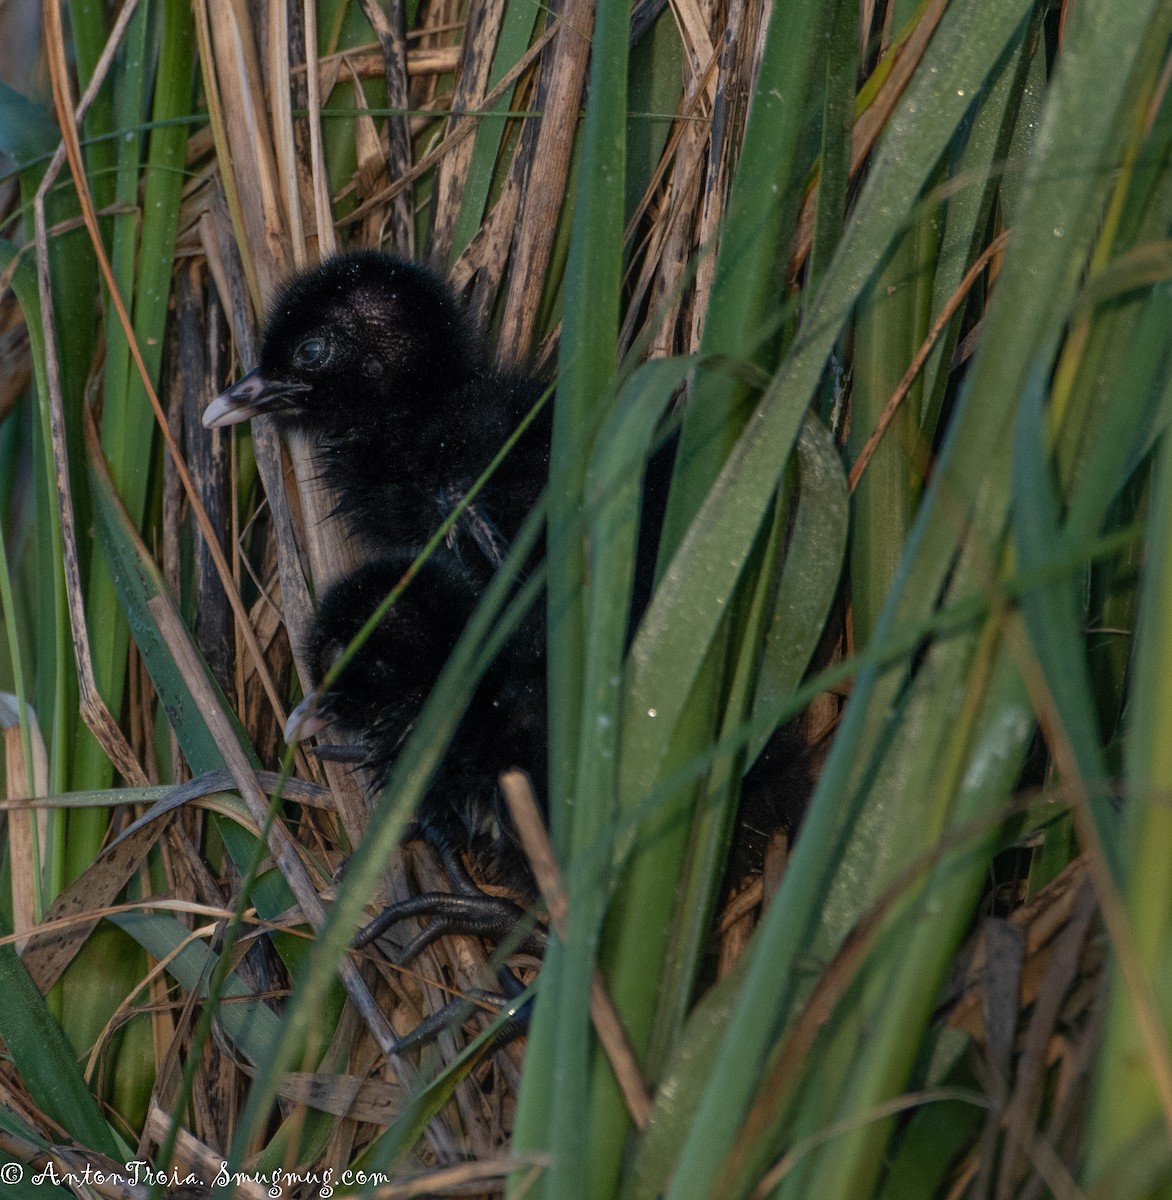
(380, 693)
(373, 359)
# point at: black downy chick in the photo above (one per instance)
(378, 698)
(374, 360)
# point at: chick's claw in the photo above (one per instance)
(491, 917)
(457, 1012)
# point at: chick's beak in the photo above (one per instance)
(304, 721)
(246, 398)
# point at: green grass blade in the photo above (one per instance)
(26, 131)
(838, 117)
(1053, 615)
(810, 574)
(141, 257)
(56, 690)
(88, 25)
(250, 1024)
(891, 323)
(46, 1061)
(1127, 1099)
(747, 284)
(798, 603)
(587, 364)
(980, 164)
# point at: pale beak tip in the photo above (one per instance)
(244, 399)
(304, 721)
(219, 412)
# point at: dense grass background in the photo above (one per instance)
(900, 275)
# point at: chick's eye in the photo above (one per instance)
(313, 352)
